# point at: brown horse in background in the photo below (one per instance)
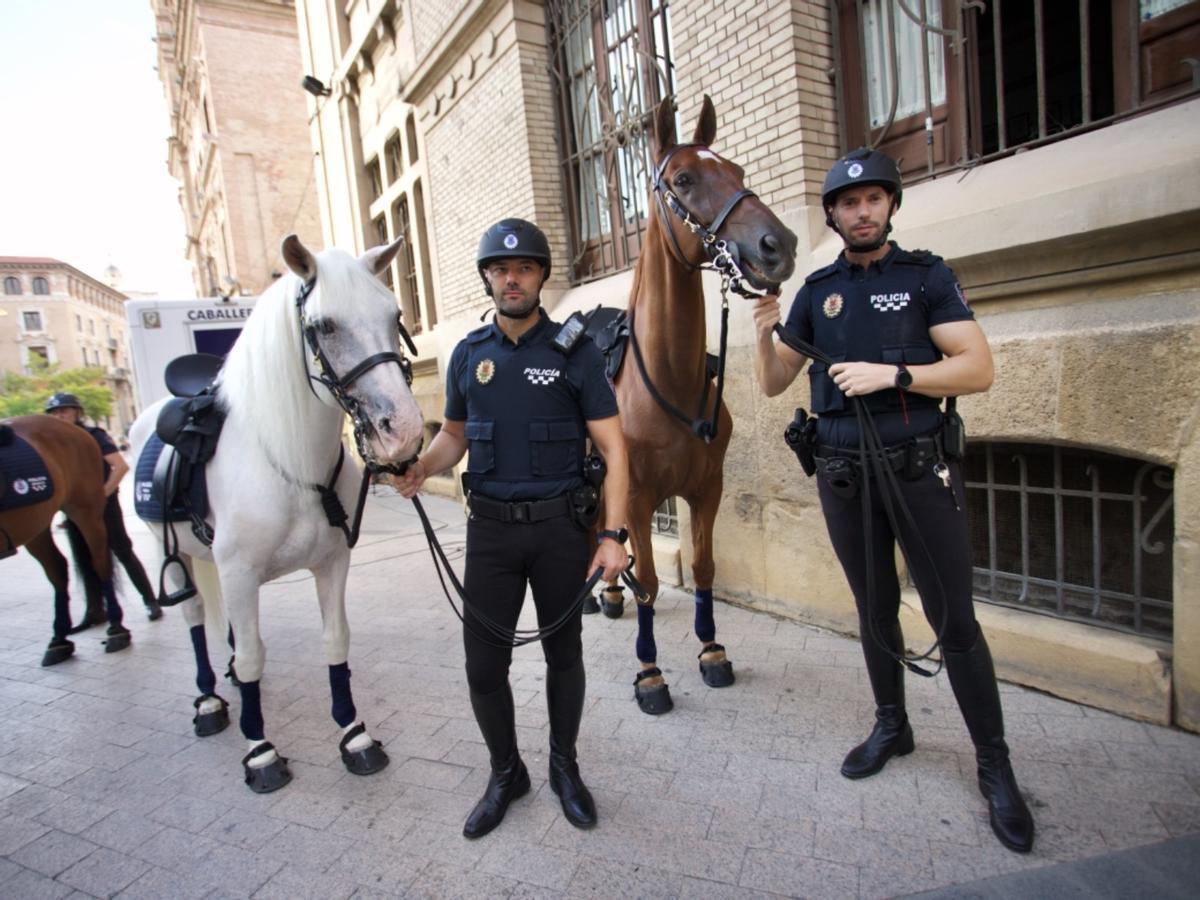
(668, 456)
(72, 458)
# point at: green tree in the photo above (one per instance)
(24, 395)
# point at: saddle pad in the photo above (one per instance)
(24, 479)
(148, 490)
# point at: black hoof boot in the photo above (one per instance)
(366, 761)
(612, 603)
(264, 779)
(210, 723)
(153, 610)
(58, 651)
(1009, 816)
(590, 606)
(716, 670)
(118, 638)
(508, 783)
(577, 803)
(891, 736)
(655, 699)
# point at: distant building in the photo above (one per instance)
(50, 312)
(239, 140)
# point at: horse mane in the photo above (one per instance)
(264, 385)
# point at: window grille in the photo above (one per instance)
(666, 519)
(1071, 533)
(940, 84)
(612, 65)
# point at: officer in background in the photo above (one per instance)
(898, 327)
(67, 407)
(523, 408)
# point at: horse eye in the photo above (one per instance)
(683, 181)
(326, 326)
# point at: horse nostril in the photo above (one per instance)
(768, 244)
(386, 425)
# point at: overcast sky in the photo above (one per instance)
(83, 127)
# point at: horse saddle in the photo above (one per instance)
(170, 483)
(608, 328)
(24, 478)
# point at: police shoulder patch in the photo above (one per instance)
(821, 273)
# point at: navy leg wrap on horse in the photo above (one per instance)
(647, 652)
(206, 678)
(252, 718)
(344, 712)
(62, 615)
(706, 628)
(111, 605)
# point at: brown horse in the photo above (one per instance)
(72, 460)
(700, 207)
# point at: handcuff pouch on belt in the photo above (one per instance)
(801, 438)
(585, 499)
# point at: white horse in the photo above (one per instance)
(321, 342)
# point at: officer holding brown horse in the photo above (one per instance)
(891, 330)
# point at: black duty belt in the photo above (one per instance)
(900, 458)
(519, 511)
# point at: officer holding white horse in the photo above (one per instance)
(522, 398)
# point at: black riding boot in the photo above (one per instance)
(564, 692)
(973, 678)
(510, 778)
(892, 735)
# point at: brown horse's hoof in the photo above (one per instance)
(58, 651)
(590, 606)
(118, 638)
(613, 608)
(653, 699)
(715, 669)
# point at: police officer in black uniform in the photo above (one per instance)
(523, 408)
(67, 407)
(900, 333)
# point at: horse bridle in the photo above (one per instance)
(721, 256)
(339, 386)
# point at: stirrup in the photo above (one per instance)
(655, 700)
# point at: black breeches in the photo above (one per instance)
(551, 557)
(939, 550)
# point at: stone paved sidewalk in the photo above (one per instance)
(105, 791)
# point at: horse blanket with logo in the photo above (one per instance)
(24, 479)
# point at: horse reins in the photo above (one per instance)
(722, 258)
(871, 449)
(497, 635)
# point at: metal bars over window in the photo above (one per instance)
(940, 84)
(1075, 534)
(611, 63)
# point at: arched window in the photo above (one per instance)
(41, 285)
(12, 285)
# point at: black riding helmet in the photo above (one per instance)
(63, 400)
(859, 167)
(512, 239)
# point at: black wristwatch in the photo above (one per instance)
(903, 378)
(620, 535)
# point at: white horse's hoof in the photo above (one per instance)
(212, 715)
(265, 769)
(360, 754)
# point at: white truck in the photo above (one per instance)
(160, 330)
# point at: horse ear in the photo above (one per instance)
(298, 258)
(664, 125)
(706, 127)
(378, 258)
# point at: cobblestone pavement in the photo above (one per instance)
(105, 791)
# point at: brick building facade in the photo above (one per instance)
(239, 145)
(52, 313)
(1079, 254)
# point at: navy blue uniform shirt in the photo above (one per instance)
(879, 314)
(526, 408)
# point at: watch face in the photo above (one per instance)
(903, 379)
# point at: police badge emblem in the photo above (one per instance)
(832, 307)
(484, 371)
